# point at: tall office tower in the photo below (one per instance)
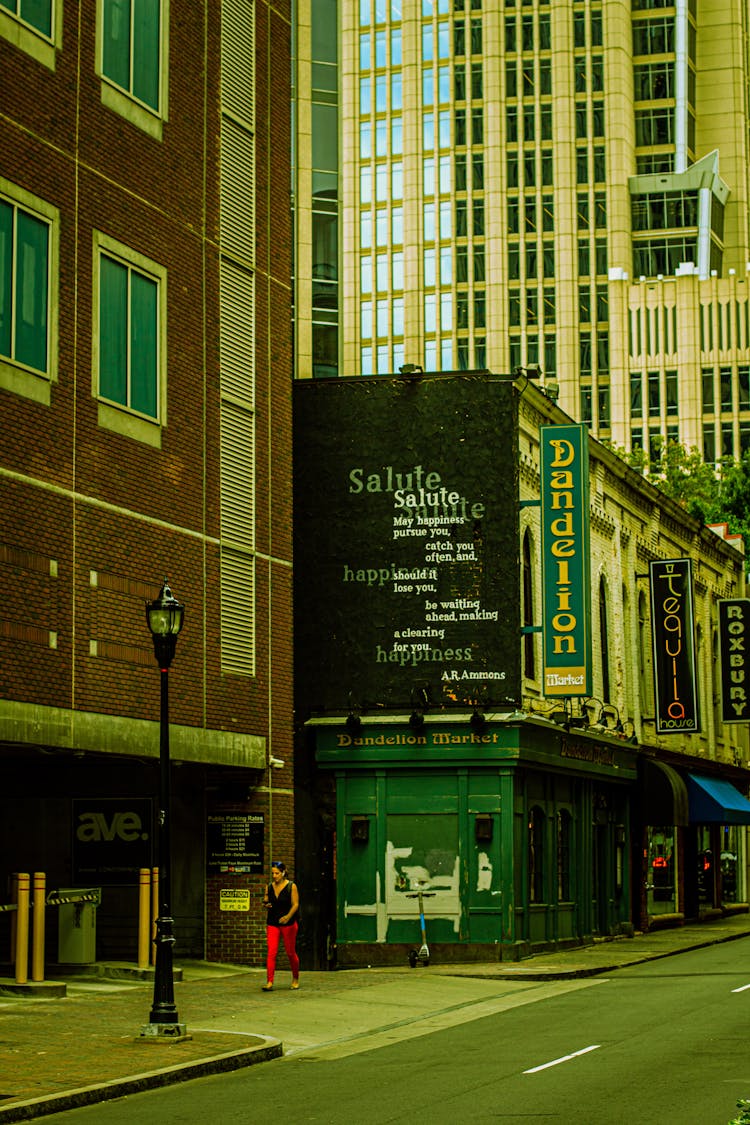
(552, 183)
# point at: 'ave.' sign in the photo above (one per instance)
(111, 839)
(95, 826)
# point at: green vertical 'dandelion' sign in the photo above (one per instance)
(565, 560)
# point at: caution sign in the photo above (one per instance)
(234, 899)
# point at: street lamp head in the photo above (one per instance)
(165, 616)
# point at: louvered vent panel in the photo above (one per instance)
(237, 613)
(237, 196)
(237, 333)
(237, 476)
(238, 59)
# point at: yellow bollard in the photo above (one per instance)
(154, 910)
(37, 932)
(144, 916)
(22, 930)
(13, 917)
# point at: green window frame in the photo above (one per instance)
(133, 60)
(129, 339)
(33, 26)
(24, 287)
(35, 13)
(29, 248)
(130, 47)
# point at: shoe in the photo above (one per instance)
(267, 988)
(295, 984)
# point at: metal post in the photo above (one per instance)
(22, 929)
(164, 1020)
(37, 931)
(164, 616)
(154, 910)
(14, 916)
(144, 916)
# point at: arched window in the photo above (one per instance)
(536, 854)
(715, 682)
(644, 654)
(604, 639)
(563, 855)
(626, 642)
(527, 594)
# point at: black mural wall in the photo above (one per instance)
(406, 543)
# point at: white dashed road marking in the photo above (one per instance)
(565, 1058)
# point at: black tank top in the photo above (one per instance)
(280, 905)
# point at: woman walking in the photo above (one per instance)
(282, 902)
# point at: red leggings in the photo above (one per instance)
(289, 934)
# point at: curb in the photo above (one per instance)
(137, 1083)
(520, 974)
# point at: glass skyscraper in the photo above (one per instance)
(548, 183)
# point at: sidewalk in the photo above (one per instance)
(59, 1053)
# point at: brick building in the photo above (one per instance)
(145, 365)
(510, 677)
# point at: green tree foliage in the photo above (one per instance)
(734, 498)
(684, 476)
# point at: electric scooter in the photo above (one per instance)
(422, 955)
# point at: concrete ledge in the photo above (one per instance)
(365, 954)
(42, 989)
(111, 970)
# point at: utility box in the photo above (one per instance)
(76, 938)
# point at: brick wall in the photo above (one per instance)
(90, 519)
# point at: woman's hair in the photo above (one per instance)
(281, 866)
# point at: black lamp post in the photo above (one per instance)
(165, 616)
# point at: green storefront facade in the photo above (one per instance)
(517, 831)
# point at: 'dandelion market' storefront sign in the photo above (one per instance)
(673, 636)
(565, 560)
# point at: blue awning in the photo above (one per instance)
(714, 801)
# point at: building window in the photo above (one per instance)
(645, 691)
(636, 395)
(536, 854)
(130, 344)
(527, 591)
(35, 13)
(654, 394)
(34, 26)
(133, 49)
(654, 37)
(29, 233)
(24, 266)
(653, 81)
(604, 640)
(564, 821)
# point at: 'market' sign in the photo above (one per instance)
(565, 560)
(406, 543)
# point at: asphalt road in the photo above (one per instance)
(666, 1043)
